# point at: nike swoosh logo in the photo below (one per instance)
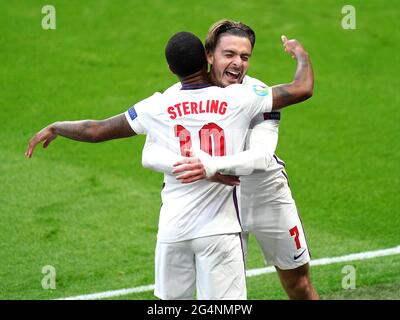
(296, 257)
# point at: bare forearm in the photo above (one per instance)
(94, 130)
(83, 130)
(300, 89)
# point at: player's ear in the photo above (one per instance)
(210, 57)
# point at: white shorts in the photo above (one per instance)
(278, 230)
(214, 265)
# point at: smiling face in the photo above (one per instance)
(230, 60)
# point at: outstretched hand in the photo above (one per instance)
(45, 135)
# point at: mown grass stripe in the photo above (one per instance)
(249, 273)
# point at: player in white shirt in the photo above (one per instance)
(214, 120)
(118, 127)
(211, 119)
(268, 209)
(198, 242)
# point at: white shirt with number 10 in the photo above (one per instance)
(214, 120)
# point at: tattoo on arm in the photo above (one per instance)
(281, 92)
(299, 89)
(114, 128)
(302, 69)
(95, 131)
(281, 96)
(76, 130)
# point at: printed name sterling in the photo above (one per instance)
(191, 107)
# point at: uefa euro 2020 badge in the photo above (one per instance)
(260, 90)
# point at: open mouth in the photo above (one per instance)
(232, 75)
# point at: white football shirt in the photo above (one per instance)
(260, 187)
(215, 120)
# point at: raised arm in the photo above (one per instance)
(83, 130)
(301, 88)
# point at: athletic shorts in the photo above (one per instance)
(278, 230)
(213, 265)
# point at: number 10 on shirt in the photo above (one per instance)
(210, 134)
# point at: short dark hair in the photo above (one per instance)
(231, 27)
(185, 54)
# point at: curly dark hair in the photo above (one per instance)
(185, 54)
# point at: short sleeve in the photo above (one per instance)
(254, 99)
(137, 114)
(134, 122)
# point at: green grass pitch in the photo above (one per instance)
(91, 210)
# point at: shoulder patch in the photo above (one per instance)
(260, 90)
(272, 115)
(132, 113)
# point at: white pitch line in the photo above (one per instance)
(249, 273)
(110, 294)
(325, 261)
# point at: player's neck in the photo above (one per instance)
(197, 79)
